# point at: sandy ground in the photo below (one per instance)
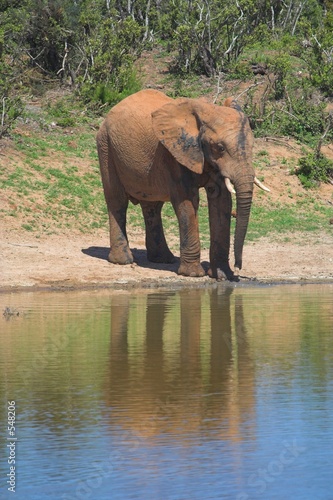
(80, 261)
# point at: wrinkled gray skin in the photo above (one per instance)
(154, 149)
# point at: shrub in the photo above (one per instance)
(296, 114)
(11, 107)
(313, 168)
(114, 91)
(321, 60)
(111, 74)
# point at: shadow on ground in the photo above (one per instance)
(140, 258)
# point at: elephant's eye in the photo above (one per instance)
(217, 149)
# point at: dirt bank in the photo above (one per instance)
(75, 260)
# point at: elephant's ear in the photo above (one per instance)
(231, 102)
(177, 128)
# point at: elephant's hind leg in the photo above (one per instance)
(117, 203)
(157, 248)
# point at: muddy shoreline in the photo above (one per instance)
(167, 285)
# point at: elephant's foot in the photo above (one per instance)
(121, 256)
(165, 257)
(191, 269)
(221, 272)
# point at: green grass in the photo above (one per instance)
(66, 196)
(279, 219)
(36, 147)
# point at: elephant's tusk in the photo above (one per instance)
(229, 186)
(261, 185)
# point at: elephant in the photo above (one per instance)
(153, 149)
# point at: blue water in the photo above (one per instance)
(222, 393)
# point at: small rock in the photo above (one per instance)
(9, 312)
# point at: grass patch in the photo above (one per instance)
(303, 216)
(79, 144)
(57, 190)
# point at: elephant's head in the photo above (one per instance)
(207, 137)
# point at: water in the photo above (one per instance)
(204, 394)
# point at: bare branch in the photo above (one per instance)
(249, 88)
(64, 59)
(147, 21)
(235, 37)
(3, 115)
(219, 88)
(35, 62)
(328, 53)
(298, 14)
(320, 142)
(285, 142)
(273, 18)
(231, 46)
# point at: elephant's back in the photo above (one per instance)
(141, 104)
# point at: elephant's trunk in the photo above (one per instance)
(244, 192)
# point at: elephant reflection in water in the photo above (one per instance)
(191, 372)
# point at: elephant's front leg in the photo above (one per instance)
(187, 214)
(157, 248)
(219, 206)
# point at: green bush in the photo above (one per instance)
(62, 113)
(11, 106)
(322, 77)
(313, 168)
(296, 114)
(320, 57)
(239, 70)
(10, 109)
(112, 92)
(280, 66)
(305, 122)
(114, 48)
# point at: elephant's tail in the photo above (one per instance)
(102, 141)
